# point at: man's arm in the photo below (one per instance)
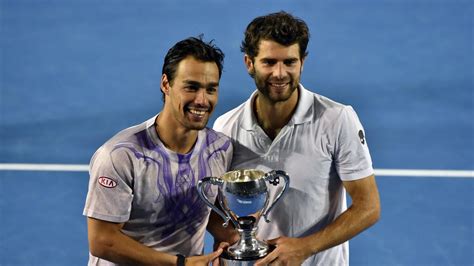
(363, 212)
(108, 242)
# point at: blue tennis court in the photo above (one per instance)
(73, 73)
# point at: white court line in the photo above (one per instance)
(424, 173)
(378, 172)
(44, 167)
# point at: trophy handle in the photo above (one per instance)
(214, 181)
(273, 177)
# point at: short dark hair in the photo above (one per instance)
(280, 27)
(195, 47)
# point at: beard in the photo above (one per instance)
(275, 93)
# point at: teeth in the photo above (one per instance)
(197, 112)
(279, 84)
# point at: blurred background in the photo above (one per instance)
(73, 73)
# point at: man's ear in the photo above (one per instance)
(248, 63)
(302, 63)
(165, 84)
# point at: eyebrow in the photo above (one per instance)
(274, 59)
(199, 84)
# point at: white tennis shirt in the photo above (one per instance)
(322, 145)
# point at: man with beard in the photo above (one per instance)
(142, 207)
(318, 142)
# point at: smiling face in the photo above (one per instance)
(191, 96)
(276, 70)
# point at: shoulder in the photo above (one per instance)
(325, 107)
(336, 117)
(326, 113)
(216, 138)
(129, 137)
(326, 103)
(230, 118)
(213, 143)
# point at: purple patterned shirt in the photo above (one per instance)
(136, 180)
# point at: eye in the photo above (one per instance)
(191, 88)
(290, 62)
(211, 90)
(268, 62)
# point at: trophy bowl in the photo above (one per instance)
(244, 198)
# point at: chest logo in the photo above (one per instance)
(107, 182)
(362, 137)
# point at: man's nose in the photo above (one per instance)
(279, 70)
(201, 97)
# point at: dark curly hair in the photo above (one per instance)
(280, 27)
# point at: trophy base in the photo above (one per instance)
(227, 260)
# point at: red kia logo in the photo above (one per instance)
(107, 182)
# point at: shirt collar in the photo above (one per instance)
(249, 119)
(302, 114)
(304, 109)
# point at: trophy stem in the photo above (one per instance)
(248, 246)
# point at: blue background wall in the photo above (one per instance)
(73, 73)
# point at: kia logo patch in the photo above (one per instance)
(107, 182)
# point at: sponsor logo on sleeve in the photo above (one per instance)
(361, 137)
(107, 182)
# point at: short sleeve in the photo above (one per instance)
(352, 157)
(110, 192)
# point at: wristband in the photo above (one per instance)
(181, 260)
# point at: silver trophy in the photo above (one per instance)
(243, 196)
